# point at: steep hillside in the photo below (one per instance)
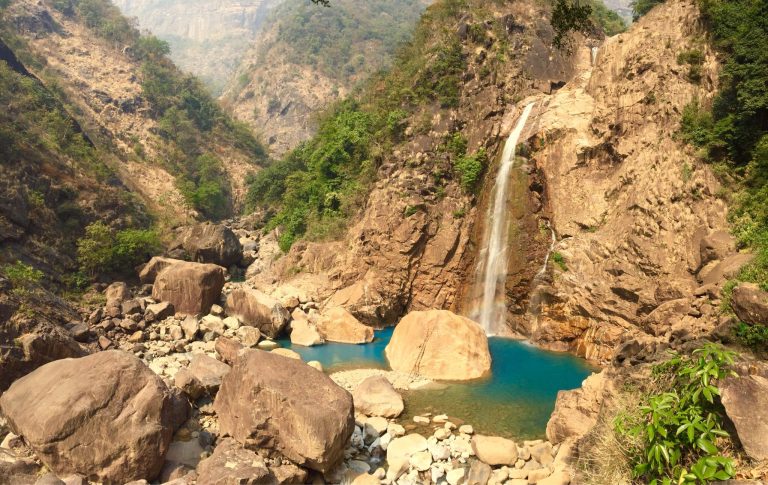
(173, 145)
(308, 57)
(207, 39)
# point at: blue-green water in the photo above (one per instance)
(515, 401)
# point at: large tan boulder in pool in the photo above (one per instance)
(439, 344)
(192, 288)
(338, 325)
(271, 402)
(106, 416)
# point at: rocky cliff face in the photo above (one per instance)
(207, 38)
(414, 244)
(629, 202)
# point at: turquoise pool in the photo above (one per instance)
(515, 401)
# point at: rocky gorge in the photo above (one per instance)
(229, 356)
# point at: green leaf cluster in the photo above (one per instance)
(22, 276)
(103, 249)
(733, 132)
(680, 430)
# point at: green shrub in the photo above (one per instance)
(680, 429)
(754, 336)
(470, 169)
(22, 276)
(642, 7)
(559, 260)
(104, 250)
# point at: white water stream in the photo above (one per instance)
(492, 261)
(549, 253)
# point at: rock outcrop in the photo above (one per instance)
(438, 344)
(376, 396)
(745, 400)
(576, 411)
(209, 243)
(636, 213)
(105, 416)
(259, 310)
(271, 402)
(154, 267)
(192, 288)
(750, 304)
(336, 324)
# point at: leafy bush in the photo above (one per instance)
(754, 336)
(680, 429)
(470, 169)
(104, 250)
(642, 7)
(22, 276)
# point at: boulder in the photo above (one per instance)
(576, 410)
(252, 406)
(208, 371)
(338, 325)
(210, 243)
(305, 333)
(248, 336)
(106, 416)
(230, 464)
(479, 473)
(745, 400)
(750, 304)
(228, 349)
(406, 446)
(717, 271)
(116, 294)
(156, 265)
(438, 344)
(190, 287)
(158, 311)
(494, 450)
(258, 310)
(716, 246)
(376, 396)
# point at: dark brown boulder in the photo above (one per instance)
(750, 304)
(210, 243)
(259, 310)
(271, 402)
(106, 416)
(192, 288)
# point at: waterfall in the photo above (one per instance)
(549, 253)
(594, 55)
(492, 260)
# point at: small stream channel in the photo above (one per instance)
(515, 401)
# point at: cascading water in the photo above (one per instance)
(492, 260)
(549, 253)
(594, 55)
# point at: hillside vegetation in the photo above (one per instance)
(733, 132)
(190, 124)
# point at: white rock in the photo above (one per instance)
(232, 323)
(406, 446)
(436, 473)
(384, 441)
(316, 364)
(395, 430)
(455, 476)
(421, 420)
(421, 460)
(379, 424)
(442, 433)
(248, 336)
(466, 429)
(439, 452)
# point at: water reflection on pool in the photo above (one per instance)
(515, 401)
